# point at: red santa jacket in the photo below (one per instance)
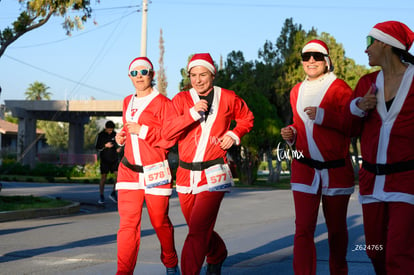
(148, 147)
(323, 142)
(386, 139)
(198, 140)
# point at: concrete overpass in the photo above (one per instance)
(76, 112)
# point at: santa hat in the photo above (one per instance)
(140, 61)
(202, 59)
(319, 46)
(393, 33)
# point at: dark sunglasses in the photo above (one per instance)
(143, 72)
(317, 56)
(370, 41)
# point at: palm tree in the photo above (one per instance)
(37, 91)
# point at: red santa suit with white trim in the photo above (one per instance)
(199, 141)
(203, 173)
(387, 137)
(323, 171)
(143, 174)
(322, 140)
(386, 179)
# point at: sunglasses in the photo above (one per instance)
(143, 72)
(370, 41)
(317, 56)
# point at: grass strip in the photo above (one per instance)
(12, 203)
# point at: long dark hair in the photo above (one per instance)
(404, 55)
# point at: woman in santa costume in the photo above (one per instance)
(324, 173)
(143, 173)
(383, 116)
(202, 128)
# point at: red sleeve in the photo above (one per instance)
(178, 121)
(353, 124)
(164, 110)
(336, 106)
(293, 100)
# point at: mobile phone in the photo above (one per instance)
(374, 88)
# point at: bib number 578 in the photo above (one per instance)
(155, 176)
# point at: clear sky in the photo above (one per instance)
(94, 62)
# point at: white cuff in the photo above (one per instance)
(355, 110)
(290, 143)
(195, 115)
(143, 132)
(320, 113)
(233, 136)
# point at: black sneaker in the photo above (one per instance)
(101, 200)
(113, 197)
(173, 271)
(214, 269)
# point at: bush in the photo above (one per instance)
(263, 165)
(48, 170)
(91, 170)
(76, 171)
(11, 167)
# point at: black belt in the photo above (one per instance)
(133, 167)
(388, 168)
(200, 166)
(319, 165)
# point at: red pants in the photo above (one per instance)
(304, 251)
(389, 229)
(200, 212)
(130, 204)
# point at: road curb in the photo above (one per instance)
(73, 208)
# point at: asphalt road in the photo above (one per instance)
(256, 224)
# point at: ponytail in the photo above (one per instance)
(404, 56)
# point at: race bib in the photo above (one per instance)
(219, 177)
(157, 174)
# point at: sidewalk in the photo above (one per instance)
(256, 224)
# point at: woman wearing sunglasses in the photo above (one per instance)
(143, 173)
(383, 116)
(325, 172)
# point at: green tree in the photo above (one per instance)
(185, 83)
(288, 64)
(36, 13)
(56, 133)
(90, 133)
(37, 91)
(8, 117)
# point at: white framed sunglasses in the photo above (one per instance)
(143, 72)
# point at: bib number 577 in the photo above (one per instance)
(218, 178)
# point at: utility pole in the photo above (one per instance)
(144, 28)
